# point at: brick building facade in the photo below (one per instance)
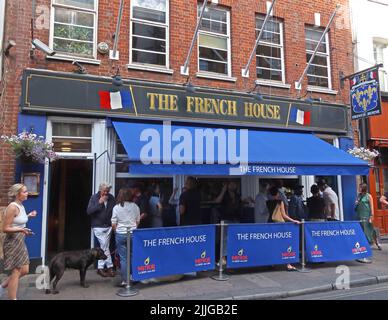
(294, 18)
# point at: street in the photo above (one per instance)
(373, 292)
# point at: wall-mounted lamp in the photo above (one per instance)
(11, 44)
(81, 69)
(256, 95)
(117, 80)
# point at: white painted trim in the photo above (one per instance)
(144, 67)
(226, 36)
(69, 57)
(132, 65)
(321, 90)
(216, 76)
(339, 182)
(267, 83)
(72, 58)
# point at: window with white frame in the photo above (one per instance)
(270, 51)
(74, 27)
(380, 51)
(149, 32)
(318, 73)
(214, 41)
(72, 137)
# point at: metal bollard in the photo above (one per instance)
(221, 276)
(303, 263)
(128, 291)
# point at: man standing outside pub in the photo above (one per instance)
(100, 209)
(331, 201)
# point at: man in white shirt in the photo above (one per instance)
(331, 201)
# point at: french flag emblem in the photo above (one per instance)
(300, 116)
(116, 100)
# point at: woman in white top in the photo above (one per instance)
(125, 216)
(15, 251)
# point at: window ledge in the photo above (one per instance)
(74, 58)
(149, 68)
(215, 76)
(265, 83)
(322, 90)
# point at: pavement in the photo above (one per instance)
(262, 283)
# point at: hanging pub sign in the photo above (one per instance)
(365, 93)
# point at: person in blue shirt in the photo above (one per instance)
(297, 208)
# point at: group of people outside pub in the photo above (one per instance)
(133, 208)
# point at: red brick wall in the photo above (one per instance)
(295, 13)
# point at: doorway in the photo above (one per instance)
(70, 190)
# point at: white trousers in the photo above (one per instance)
(103, 237)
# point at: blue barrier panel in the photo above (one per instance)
(176, 250)
(251, 245)
(335, 241)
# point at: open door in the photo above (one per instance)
(70, 191)
(379, 185)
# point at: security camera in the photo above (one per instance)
(11, 44)
(42, 47)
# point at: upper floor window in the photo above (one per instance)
(214, 41)
(270, 51)
(380, 51)
(318, 73)
(74, 29)
(149, 32)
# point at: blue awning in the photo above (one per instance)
(162, 149)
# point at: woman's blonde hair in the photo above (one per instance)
(15, 190)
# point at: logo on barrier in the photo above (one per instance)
(290, 254)
(203, 261)
(316, 253)
(358, 249)
(240, 257)
(147, 267)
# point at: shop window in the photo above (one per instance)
(270, 52)
(214, 42)
(74, 27)
(149, 35)
(72, 137)
(318, 73)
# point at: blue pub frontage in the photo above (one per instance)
(143, 131)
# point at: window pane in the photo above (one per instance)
(73, 32)
(85, 4)
(269, 74)
(149, 44)
(314, 35)
(319, 60)
(311, 45)
(149, 31)
(159, 5)
(269, 37)
(72, 145)
(74, 17)
(269, 26)
(269, 51)
(318, 71)
(213, 42)
(149, 14)
(149, 58)
(211, 66)
(213, 26)
(269, 63)
(319, 82)
(213, 54)
(213, 14)
(72, 130)
(68, 46)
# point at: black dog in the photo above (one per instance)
(80, 260)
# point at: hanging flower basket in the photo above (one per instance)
(30, 148)
(364, 154)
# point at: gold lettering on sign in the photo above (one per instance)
(261, 111)
(211, 106)
(163, 102)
